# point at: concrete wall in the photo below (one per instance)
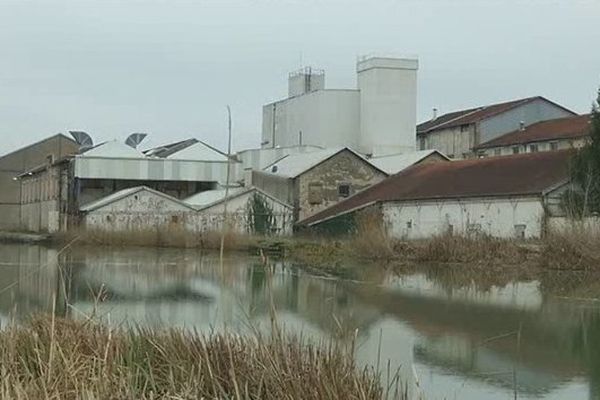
(454, 142)
(240, 215)
(327, 118)
(23, 160)
(343, 168)
(388, 109)
(257, 159)
(562, 144)
(498, 217)
(280, 187)
(149, 212)
(535, 111)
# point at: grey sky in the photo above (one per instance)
(170, 67)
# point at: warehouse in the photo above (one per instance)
(509, 197)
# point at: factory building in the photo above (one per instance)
(52, 195)
(18, 162)
(376, 118)
(458, 133)
(510, 197)
(551, 135)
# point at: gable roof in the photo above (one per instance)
(112, 149)
(472, 115)
(521, 174)
(27, 147)
(170, 148)
(121, 194)
(210, 198)
(199, 151)
(395, 163)
(294, 165)
(561, 128)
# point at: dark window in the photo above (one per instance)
(553, 146)
(344, 190)
(175, 219)
(533, 148)
(497, 152)
(515, 150)
(464, 128)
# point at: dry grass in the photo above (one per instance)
(577, 248)
(462, 249)
(371, 239)
(175, 237)
(60, 359)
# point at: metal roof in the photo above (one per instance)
(211, 196)
(199, 151)
(121, 194)
(473, 115)
(395, 163)
(515, 175)
(207, 199)
(560, 128)
(293, 165)
(113, 149)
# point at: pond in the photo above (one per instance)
(461, 335)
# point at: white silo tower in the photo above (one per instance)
(388, 104)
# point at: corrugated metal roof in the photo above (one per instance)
(395, 163)
(472, 115)
(113, 149)
(121, 194)
(207, 197)
(198, 152)
(561, 128)
(294, 165)
(522, 174)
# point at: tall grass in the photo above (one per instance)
(574, 248)
(60, 359)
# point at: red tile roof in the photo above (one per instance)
(477, 114)
(521, 174)
(562, 128)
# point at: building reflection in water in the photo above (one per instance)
(454, 331)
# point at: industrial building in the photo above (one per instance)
(313, 181)
(551, 135)
(52, 195)
(16, 163)
(142, 209)
(458, 133)
(509, 197)
(376, 118)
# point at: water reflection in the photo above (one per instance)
(466, 338)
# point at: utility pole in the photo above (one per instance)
(224, 226)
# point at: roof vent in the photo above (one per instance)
(83, 140)
(434, 115)
(135, 139)
(522, 125)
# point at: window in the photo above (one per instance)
(174, 219)
(315, 193)
(409, 224)
(533, 148)
(515, 150)
(344, 190)
(553, 146)
(474, 229)
(520, 231)
(464, 127)
(497, 152)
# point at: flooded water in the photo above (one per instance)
(461, 336)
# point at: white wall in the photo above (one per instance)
(257, 159)
(388, 107)
(327, 118)
(211, 219)
(495, 217)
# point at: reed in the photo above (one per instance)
(49, 358)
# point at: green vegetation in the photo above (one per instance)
(260, 216)
(585, 171)
(61, 359)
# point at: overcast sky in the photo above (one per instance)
(169, 67)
